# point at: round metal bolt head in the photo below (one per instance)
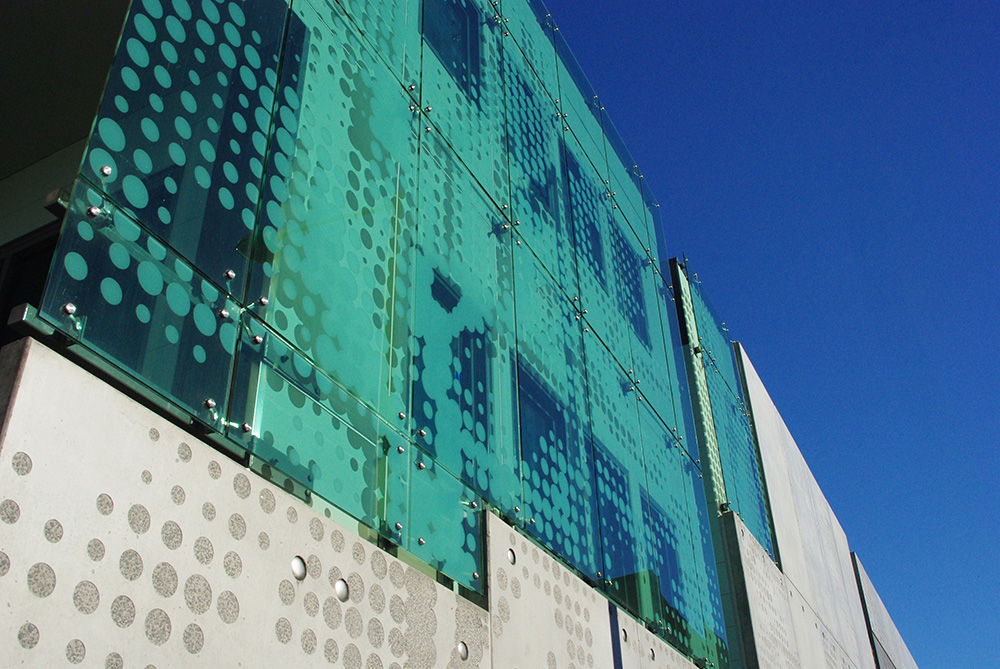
(421, 465)
(427, 129)
(421, 541)
(427, 108)
(422, 432)
(531, 521)
(402, 415)
(517, 509)
(474, 505)
(106, 170)
(210, 403)
(342, 590)
(463, 650)
(298, 568)
(93, 212)
(400, 449)
(257, 339)
(511, 556)
(399, 527)
(475, 576)
(247, 427)
(223, 313)
(412, 87)
(230, 274)
(262, 301)
(69, 308)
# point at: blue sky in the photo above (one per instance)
(833, 175)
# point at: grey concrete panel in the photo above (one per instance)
(542, 615)
(125, 541)
(641, 649)
(812, 546)
(881, 624)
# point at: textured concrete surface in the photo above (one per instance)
(812, 546)
(889, 643)
(126, 542)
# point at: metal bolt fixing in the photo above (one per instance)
(106, 170)
(247, 427)
(422, 432)
(262, 301)
(421, 465)
(69, 308)
(93, 212)
(230, 274)
(421, 541)
(399, 527)
(400, 449)
(210, 403)
(257, 339)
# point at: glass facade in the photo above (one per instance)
(397, 251)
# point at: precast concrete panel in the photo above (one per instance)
(542, 615)
(126, 541)
(641, 649)
(812, 545)
(880, 622)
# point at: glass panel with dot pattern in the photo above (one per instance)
(464, 392)
(330, 263)
(557, 462)
(180, 137)
(125, 294)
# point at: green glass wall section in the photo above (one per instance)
(737, 449)
(395, 251)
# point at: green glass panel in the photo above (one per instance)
(445, 528)
(598, 244)
(737, 450)
(333, 254)
(432, 514)
(461, 87)
(531, 26)
(667, 541)
(712, 642)
(180, 137)
(581, 110)
(464, 389)
(391, 28)
(620, 475)
(539, 190)
(624, 182)
(133, 300)
(557, 462)
(291, 415)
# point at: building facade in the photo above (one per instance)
(379, 282)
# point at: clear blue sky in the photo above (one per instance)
(833, 175)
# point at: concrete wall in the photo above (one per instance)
(890, 648)
(812, 546)
(125, 541)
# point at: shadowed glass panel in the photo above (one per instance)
(581, 109)
(625, 184)
(183, 126)
(531, 27)
(464, 386)
(620, 476)
(136, 302)
(668, 543)
(539, 190)
(556, 459)
(461, 87)
(332, 257)
(598, 247)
